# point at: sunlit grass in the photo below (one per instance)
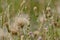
(29, 20)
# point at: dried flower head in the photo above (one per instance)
(22, 20)
(36, 33)
(13, 29)
(39, 38)
(41, 19)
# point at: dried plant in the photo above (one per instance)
(29, 19)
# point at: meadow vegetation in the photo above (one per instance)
(29, 19)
